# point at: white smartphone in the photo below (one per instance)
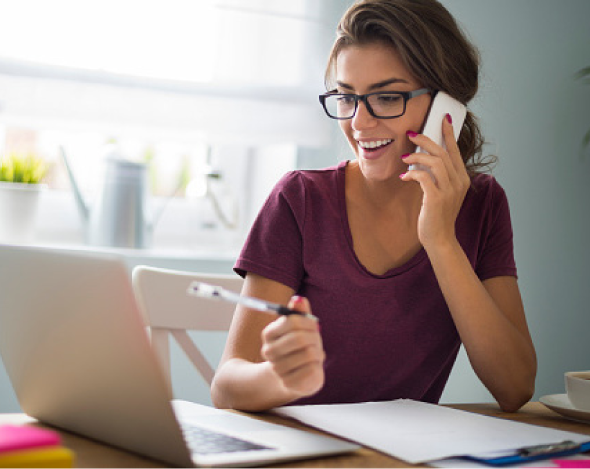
(441, 105)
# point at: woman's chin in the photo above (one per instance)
(377, 171)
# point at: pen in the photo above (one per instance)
(205, 290)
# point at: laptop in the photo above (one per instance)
(77, 352)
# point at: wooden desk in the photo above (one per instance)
(90, 453)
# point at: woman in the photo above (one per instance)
(399, 267)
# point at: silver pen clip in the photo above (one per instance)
(537, 450)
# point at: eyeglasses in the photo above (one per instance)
(382, 105)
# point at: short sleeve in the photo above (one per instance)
(274, 246)
(496, 256)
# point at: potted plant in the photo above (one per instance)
(20, 188)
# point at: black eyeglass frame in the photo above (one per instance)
(406, 95)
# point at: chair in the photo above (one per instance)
(169, 311)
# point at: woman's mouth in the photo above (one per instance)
(374, 144)
(371, 148)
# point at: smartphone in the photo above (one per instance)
(441, 105)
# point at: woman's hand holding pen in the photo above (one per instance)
(293, 346)
(443, 196)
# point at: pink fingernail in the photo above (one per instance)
(297, 300)
(405, 155)
(402, 175)
(449, 119)
(411, 133)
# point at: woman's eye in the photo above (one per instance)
(389, 98)
(346, 99)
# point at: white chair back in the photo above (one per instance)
(169, 311)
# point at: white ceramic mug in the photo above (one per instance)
(577, 385)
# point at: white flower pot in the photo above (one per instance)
(19, 204)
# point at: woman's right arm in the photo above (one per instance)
(269, 361)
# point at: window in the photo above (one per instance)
(174, 83)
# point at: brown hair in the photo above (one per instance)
(433, 48)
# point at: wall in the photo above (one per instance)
(534, 113)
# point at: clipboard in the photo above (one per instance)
(533, 453)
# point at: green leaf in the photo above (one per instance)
(584, 75)
(24, 169)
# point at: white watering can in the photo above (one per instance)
(119, 218)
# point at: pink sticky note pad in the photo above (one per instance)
(571, 462)
(14, 437)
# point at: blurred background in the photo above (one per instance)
(219, 99)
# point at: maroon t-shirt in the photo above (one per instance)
(385, 336)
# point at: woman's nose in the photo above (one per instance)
(363, 118)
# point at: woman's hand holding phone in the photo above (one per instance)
(444, 186)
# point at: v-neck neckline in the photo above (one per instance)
(414, 260)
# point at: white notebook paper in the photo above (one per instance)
(418, 432)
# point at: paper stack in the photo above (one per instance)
(29, 446)
(423, 433)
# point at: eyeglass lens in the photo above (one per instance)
(382, 105)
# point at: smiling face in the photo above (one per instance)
(379, 143)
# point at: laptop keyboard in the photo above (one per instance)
(202, 441)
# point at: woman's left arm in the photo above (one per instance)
(489, 315)
(490, 319)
